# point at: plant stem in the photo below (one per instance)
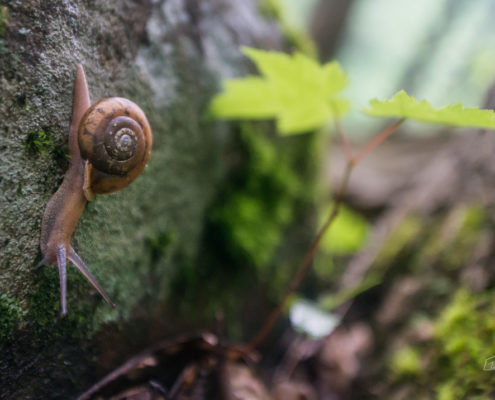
(308, 259)
(345, 144)
(377, 140)
(310, 254)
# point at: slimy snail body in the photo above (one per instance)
(109, 144)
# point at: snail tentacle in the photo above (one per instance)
(62, 273)
(78, 262)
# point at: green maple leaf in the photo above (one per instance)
(298, 92)
(404, 106)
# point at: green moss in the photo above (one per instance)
(270, 186)
(44, 306)
(39, 142)
(253, 212)
(474, 217)
(464, 328)
(465, 333)
(463, 340)
(158, 245)
(406, 233)
(468, 235)
(3, 21)
(452, 364)
(405, 363)
(446, 391)
(9, 318)
(449, 240)
(61, 154)
(3, 29)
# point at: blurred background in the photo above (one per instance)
(441, 51)
(400, 301)
(407, 266)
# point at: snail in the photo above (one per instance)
(109, 144)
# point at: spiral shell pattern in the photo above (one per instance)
(115, 137)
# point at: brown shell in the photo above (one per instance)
(115, 137)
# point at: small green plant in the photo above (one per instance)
(295, 90)
(304, 96)
(404, 106)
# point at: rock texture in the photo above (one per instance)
(169, 57)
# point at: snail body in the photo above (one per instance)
(110, 143)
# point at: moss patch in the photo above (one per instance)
(247, 232)
(39, 142)
(3, 21)
(9, 318)
(44, 306)
(405, 363)
(449, 240)
(261, 199)
(123, 236)
(464, 335)
(455, 364)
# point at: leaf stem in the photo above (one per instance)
(345, 144)
(308, 259)
(310, 254)
(377, 140)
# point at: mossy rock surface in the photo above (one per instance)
(167, 56)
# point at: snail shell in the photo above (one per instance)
(115, 139)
